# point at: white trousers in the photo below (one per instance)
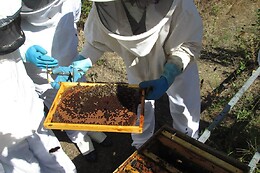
(184, 104)
(39, 153)
(83, 139)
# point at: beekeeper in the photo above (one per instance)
(159, 42)
(51, 41)
(25, 146)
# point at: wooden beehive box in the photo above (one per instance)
(102, 107)
(171, 152)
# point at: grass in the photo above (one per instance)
(85, 9)
(238, 134)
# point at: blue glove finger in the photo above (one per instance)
(146, 84)
(82, 64)
(36, 55)
(65, 78)
(39, 49)
(59, 78)
(45, 60)
(155, 88)
(48, 59)
(63, 70)
(55, 85)
(44, 66)
(34, 51)
(76, 75)
(65, 74)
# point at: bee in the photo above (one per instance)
(54, 149)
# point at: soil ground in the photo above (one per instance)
(221, 75)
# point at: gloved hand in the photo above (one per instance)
(156, 88)
(37, 56)
(72, 73)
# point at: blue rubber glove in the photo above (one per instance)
(65, 74)
(37, 56)
(71, 73)
(82, 64)
(156, 88)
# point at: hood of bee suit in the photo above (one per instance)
(11, 34)
(41, 12)
(115, 25)
(9, 11)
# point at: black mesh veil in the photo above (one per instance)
(12, 37)
(34, 5)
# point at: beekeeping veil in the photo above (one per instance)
(140, 3)
(12, 37)
(35, 5)
(40, 12)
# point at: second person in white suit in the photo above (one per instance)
(25, 145)
(51, 41)
(159, 41)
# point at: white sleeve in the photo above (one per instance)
(23, 50)
(185, 39)
(94, 47)
(72, 6)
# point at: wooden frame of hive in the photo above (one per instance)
(192, 153)
(49, 124)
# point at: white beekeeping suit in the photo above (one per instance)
(17, 113)
(51, 24)
(148, 35)
(21, 131)
(53, 27)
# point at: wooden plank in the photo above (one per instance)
(161, 162)
(93, 127)
(197, 155)
(125, 164)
